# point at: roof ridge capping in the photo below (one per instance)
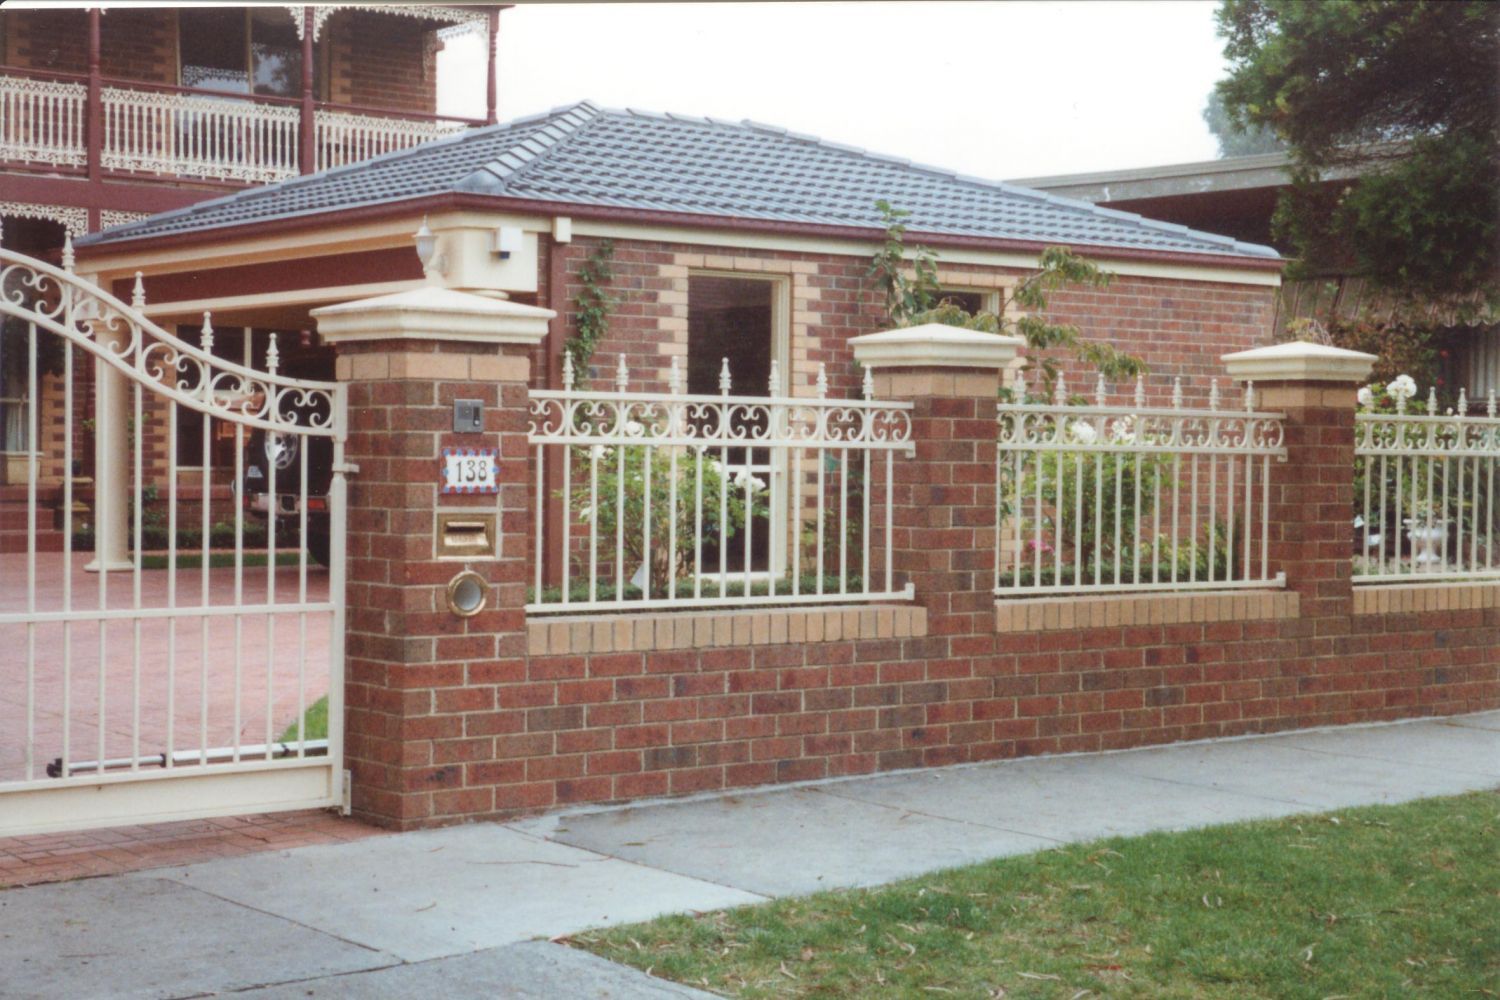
(496, 174)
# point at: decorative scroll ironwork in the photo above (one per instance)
(655, 490)
(1425, 490)
(64, 304)
(1103, 497)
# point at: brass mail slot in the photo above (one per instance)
(465, 535)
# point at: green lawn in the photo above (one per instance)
(314, 723)
(1392, 901)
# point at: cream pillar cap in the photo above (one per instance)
(935, 345)
(433, 313)
(1299, 361)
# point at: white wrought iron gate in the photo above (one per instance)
(167, 633)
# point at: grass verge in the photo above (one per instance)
(314, 722)
(1393, 901)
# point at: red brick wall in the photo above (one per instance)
(380, 60)
(595, 728)
(1180, 327)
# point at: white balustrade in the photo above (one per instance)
(199, 135)
(344, 137)
(42, 121)
(666, 500)
(1129, 497)
(1424, 488)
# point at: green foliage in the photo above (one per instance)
(1385, 901)
(916, 299)
(1105, 496)
(592, 307)
(1401, 94)
(1401, 346)
(904, 297)
(1236, 139)
(624, 471)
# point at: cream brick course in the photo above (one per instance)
(1117, 610)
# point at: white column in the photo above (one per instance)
(112, 488)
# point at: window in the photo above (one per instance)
(15, 430)
(970, 301)
(240, 51)
(736, 319)
(1476, 363)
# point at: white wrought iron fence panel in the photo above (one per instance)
(42, 121)
(197, 135)
(346, 137)
(163, 656)
(1425, 491)
(1130, 497)
(672, 500)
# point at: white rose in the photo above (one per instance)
(634, 429)
(1082, 432)
(1123, 431)
(1366, 397)
(599, 451)
(586, 514)
(1403, 386)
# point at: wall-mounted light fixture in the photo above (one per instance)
(507, 241)
(433, 262)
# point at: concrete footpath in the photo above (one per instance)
(467, 911)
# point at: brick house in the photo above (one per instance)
(1237, 196)
(109, 117)
(730, 240)
(744, 242)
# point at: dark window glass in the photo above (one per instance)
(212, 49)
(275, 52)
(970, 302)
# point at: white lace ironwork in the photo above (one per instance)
(75, 221)
(42, 121)
(198, 135)
(345, 137)
(461, 20)
(60, 302)
(108, 217)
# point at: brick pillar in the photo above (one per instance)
(1312, 494)
(421, 714)
(944, 515)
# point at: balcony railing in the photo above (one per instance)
(178, 132)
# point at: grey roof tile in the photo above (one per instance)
(582, 154)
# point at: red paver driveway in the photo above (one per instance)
(202, 680)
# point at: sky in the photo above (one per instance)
(998, 90)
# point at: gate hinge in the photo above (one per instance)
(346, 468)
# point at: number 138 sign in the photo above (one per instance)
(471, 470)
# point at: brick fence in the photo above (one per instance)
(452, 718)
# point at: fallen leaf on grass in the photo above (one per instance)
(786, 972)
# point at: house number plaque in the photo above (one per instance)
(471, 470)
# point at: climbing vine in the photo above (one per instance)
(592, 307)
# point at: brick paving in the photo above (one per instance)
(57, 857)
(187, 670)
